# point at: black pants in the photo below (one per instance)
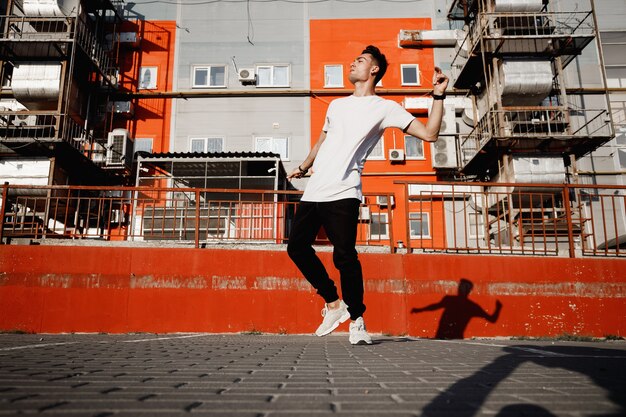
(339, 219)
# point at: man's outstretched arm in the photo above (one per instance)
(303, 168)
(430, 131)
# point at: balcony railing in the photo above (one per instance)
(529, 125)
(528, 34)
(519, 219)
(19, 127)
(31, 36)
(477, 218)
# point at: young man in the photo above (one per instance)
(333, 194)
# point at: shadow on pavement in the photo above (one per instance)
(605, 367)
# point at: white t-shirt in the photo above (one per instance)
(353, 127)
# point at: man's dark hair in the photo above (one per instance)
(380, 59)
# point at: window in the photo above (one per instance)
(143, 145)
(272, 76)
(476, 225)
(413, 147)
(211, 144)
(148, 78)
(410, 74)
(278, 145)
(420, 226)
(333, 76)
(209, 76)
(377, 151)
(379, 226)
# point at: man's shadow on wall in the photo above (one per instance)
(458, 310)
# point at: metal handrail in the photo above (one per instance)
(480, 218)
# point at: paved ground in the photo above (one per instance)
(274, 375)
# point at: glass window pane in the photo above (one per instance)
(143, 145)
(215, 144)
(148, 77)
(333, 76)
(263, 144)
(200, 76)
(264, 76)
(218, 76)
(197, 145)
(279, 146)
(377, 150)
(414, 147)
(378, 225)
(281, 76)
(419, 225)
(409, 75)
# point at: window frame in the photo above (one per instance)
(136, 141)
(422, 214)
(273, 138)
(421, 145)
(380, 214)
(205, 139)
(417, 75)
(272, 67)
(208, 68)
(382, 157)
(156, 78)
(326, 84)
(480, 225)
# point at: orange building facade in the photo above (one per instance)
(150, 124)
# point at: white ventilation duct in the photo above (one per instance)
(525, 83)
(50, 8)
(37, 85)
(518, 6)
(468, 116)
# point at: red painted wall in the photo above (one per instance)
(113, 289)
(152, 115)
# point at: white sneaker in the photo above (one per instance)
(332, 318)
(358, 333)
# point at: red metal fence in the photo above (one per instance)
(517, 219)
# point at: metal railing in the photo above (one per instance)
(477, 218)
(44, 126)
(545, 33)
(56, 29)
(517, 219)
(33, 28)
(539, 122)
(190, 215)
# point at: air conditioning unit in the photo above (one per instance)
(443, 151)
(246, 75)
(19, 120)
(131, 39)
(24, 120)
(396, 155)
(383, 200)
(119, 149)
